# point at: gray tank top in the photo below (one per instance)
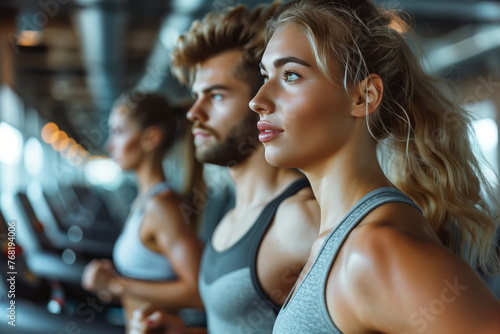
(305, 311)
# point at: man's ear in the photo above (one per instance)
(151, 138)
(367, 96)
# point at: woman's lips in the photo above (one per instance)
(268, 131)
(268, 135)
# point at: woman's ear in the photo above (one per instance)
(151, 138)
(368, 96)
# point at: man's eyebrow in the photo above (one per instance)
(208, 89)
(214, 87)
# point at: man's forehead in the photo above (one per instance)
(208, 75)
(219, 71)
(208, 78)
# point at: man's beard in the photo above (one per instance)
(240, 143)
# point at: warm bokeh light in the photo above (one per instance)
(72, 151)
(80, 156)
(48, 131)
(30, 38)
(54, 137)
(60, 137)
(68, 152)
(82, 151)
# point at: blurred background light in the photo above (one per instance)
(60, 138)
(30, 23)
(33, 156)
(11, 144)
(68, 256)
(48, 131)
(75, 233)
(103, 172)
(486, 130)
(484, 137)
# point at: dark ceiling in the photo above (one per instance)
(92, 50)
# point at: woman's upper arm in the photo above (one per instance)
(413, 285)
(173, 236)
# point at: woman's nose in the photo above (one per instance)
(260, 103)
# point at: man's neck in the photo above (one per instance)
(257, 182)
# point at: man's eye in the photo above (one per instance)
(265, 77)
(217, 97)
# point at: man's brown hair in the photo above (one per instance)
(235, 28)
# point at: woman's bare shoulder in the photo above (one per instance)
(407, 280)
(164, 211)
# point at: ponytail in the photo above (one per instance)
(193, 188)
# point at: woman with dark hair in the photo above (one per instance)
(341, 87)
(156, 258)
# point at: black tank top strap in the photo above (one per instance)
(262, 225)
(267, 215)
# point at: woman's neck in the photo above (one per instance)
(343, 180)
(149, 174)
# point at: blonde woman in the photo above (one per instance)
(340, 83)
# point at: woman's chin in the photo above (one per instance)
(277, 159)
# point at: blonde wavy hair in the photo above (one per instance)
(234, 28)
(422, 134)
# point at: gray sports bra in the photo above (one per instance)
(131, 258)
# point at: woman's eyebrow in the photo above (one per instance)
(282, 61)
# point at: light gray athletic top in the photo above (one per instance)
(130, 257)
(305, 311)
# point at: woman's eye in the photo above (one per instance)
(289, 76)
(217, 97)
